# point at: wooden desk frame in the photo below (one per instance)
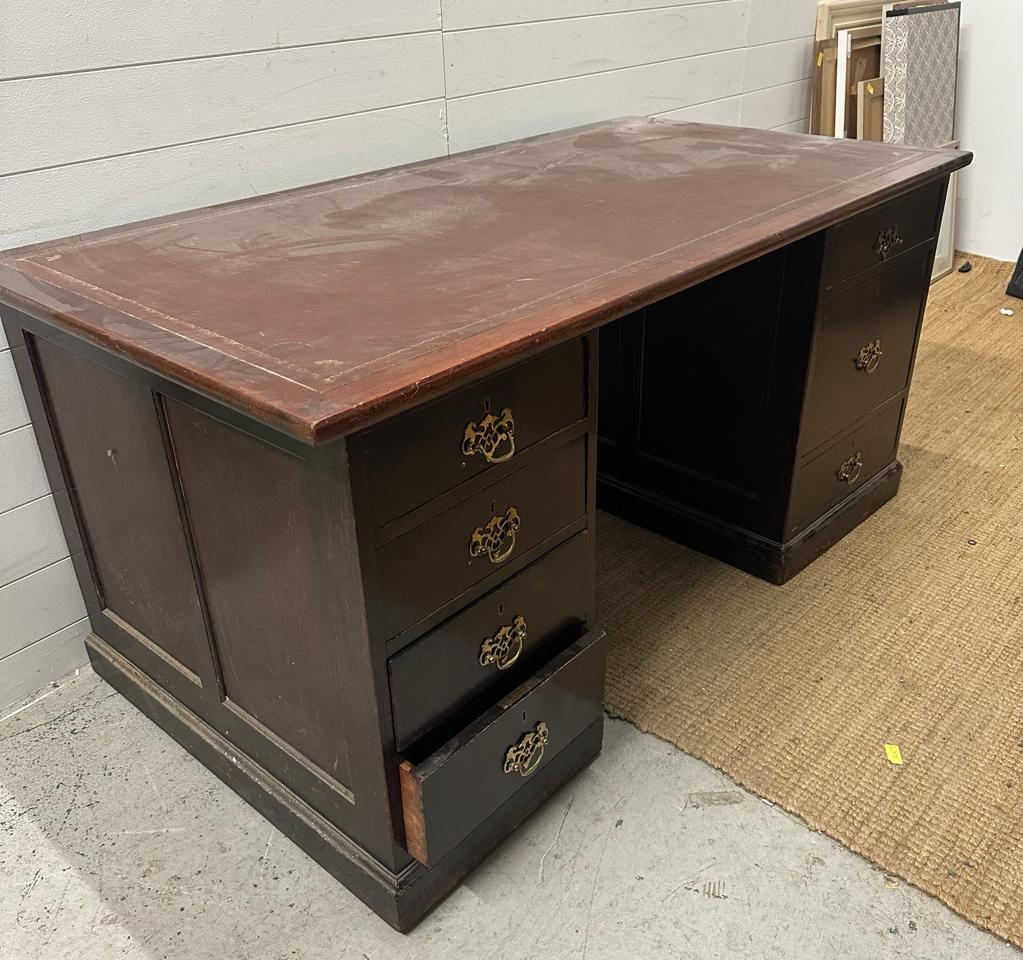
(270, 555)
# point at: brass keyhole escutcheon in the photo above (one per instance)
(490, 435)
(869, 356)
(887, 240)
(525, 756)
(505, 646)
(849, 471)
(496, 540)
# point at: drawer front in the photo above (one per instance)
(844, 467)
(420, 455)
(880, 234)
(864, 348)
(435, 562)
(494, 643)
(452, 791)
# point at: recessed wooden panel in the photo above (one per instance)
(708, 360)
(109, 432)
(259, 520)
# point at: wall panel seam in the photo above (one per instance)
(32, 643)
(444, 77)
(219, 56)
(696, 103)
(790, 123)
(774, 86)
(18, 506)
(213, 139)
(773, 43)
(22, 426)
(745, 56)
(25, 576)
(587, 16)
(596, 73)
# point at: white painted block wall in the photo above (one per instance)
(990, 101)
(117, 110)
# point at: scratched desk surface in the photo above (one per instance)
(325, 308)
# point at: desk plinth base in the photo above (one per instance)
(401, 899)
(768, 559)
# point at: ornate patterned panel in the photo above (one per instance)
(921, 62)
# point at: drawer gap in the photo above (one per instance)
(502, 688)
(448, 792)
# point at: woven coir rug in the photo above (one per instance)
(909, 631)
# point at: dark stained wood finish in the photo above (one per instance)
(710, 390)
(682, 375)
(262, 536)
(888, 308)
(279, 528)
(129, 420)
(107, 429)
(336, 305)
(440, 673)
(429, 565)
(402, 897)
(716, 424)
(280, 546)
(453, 790)
(818, 486)
(418, 455)
(853, 244)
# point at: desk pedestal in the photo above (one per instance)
(756, 416)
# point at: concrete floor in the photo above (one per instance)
(115, 843)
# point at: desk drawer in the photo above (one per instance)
(864, 348)
(881, 234)
(452, 791)
(496, 641)
(433, 563)
(844, 467)
(418, 456)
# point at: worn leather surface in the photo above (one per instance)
(328, 307)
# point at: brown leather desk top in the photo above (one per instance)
(325, 308)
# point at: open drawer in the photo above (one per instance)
(451, 791)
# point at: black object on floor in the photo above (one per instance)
(1015, 287)
(966, 267)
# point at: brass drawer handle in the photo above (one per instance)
(488, 435)
(850, 469)
(869, 356)
(525, 756)
(887, 240)
(497, 538)
(504, 647)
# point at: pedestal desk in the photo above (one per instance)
(327, 461)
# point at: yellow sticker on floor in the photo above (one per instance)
(893, 753)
